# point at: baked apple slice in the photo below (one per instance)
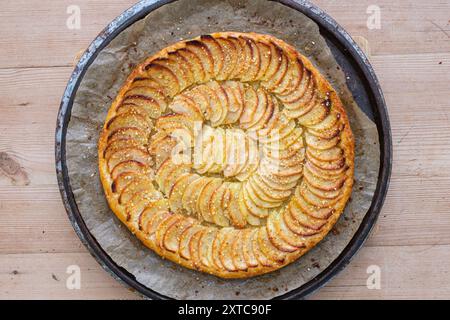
(274, 237)
(237, 252)
(202, 52)
(206, 245)
(229, 62)
(171, 238)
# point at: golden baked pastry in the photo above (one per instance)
(267, 161)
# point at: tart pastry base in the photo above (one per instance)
(276, 154)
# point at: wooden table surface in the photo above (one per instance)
(411, 241)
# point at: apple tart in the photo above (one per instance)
(228, 153)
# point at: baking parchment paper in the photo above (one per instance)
(186, 19)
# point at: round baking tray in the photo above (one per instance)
(362, 82)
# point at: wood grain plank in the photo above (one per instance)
(44, 275)
(407, 272)
(40, 36)
(31, 276)
(411, 55)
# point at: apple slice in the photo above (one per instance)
(237, 252)
(315, 200)
(147, 110)
(176, 69)
(167, 174)
(328, 165)
(216, 248)
(295, 227)
(304, 219)
(332, 176)
(251, 219)
(216, 52)
(165, 77)
(275, 61)
(149, 222)
(191, 195)
(194, 63)
(128, 120)
(268, 249)
(186, 106)
(275, 183)
(330, 122)
(268, 113)
(306, 84)
(259, 111)
(202, 52)
(232, 210)
(233, 160)
(299, 91)
(217, 205)
(247, 247)
(230, 58)
(275, 194)
(175, 172)
(185, 240)
(253, 59)
(226, 249)
(286, 234)
(172, 122)
(250, 105)
(330, 133)
(204, 199)
(266, 196)
(119, 144)
(131, 166)
(161, 147)
(206, 245)
(253, 209)
(292, 80)
(328, 155)
(282, 130)
(213, 110)
(126, 154)
(136, 134)
(322, 181)
(137, 204)
(141, 184)
(194, 248)
(199, 96)
(318, 113)
(171, 238)
(166, 224)
(146, 82)
(243, 52)
(313, 211)
(275, 237)
(122, 180)
(234, 92)
(158, 205)
(252, 160)
(257, 252)
(271, 83)
(219, 103)
(265, 57)
(320, 144)
(301, 108)
(184, 65)
(149, 98)
(177, 191)
(303, 99)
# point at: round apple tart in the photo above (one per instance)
(228, 153)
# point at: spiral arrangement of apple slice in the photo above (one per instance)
(270, 165)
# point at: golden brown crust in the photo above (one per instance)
(274, 224)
